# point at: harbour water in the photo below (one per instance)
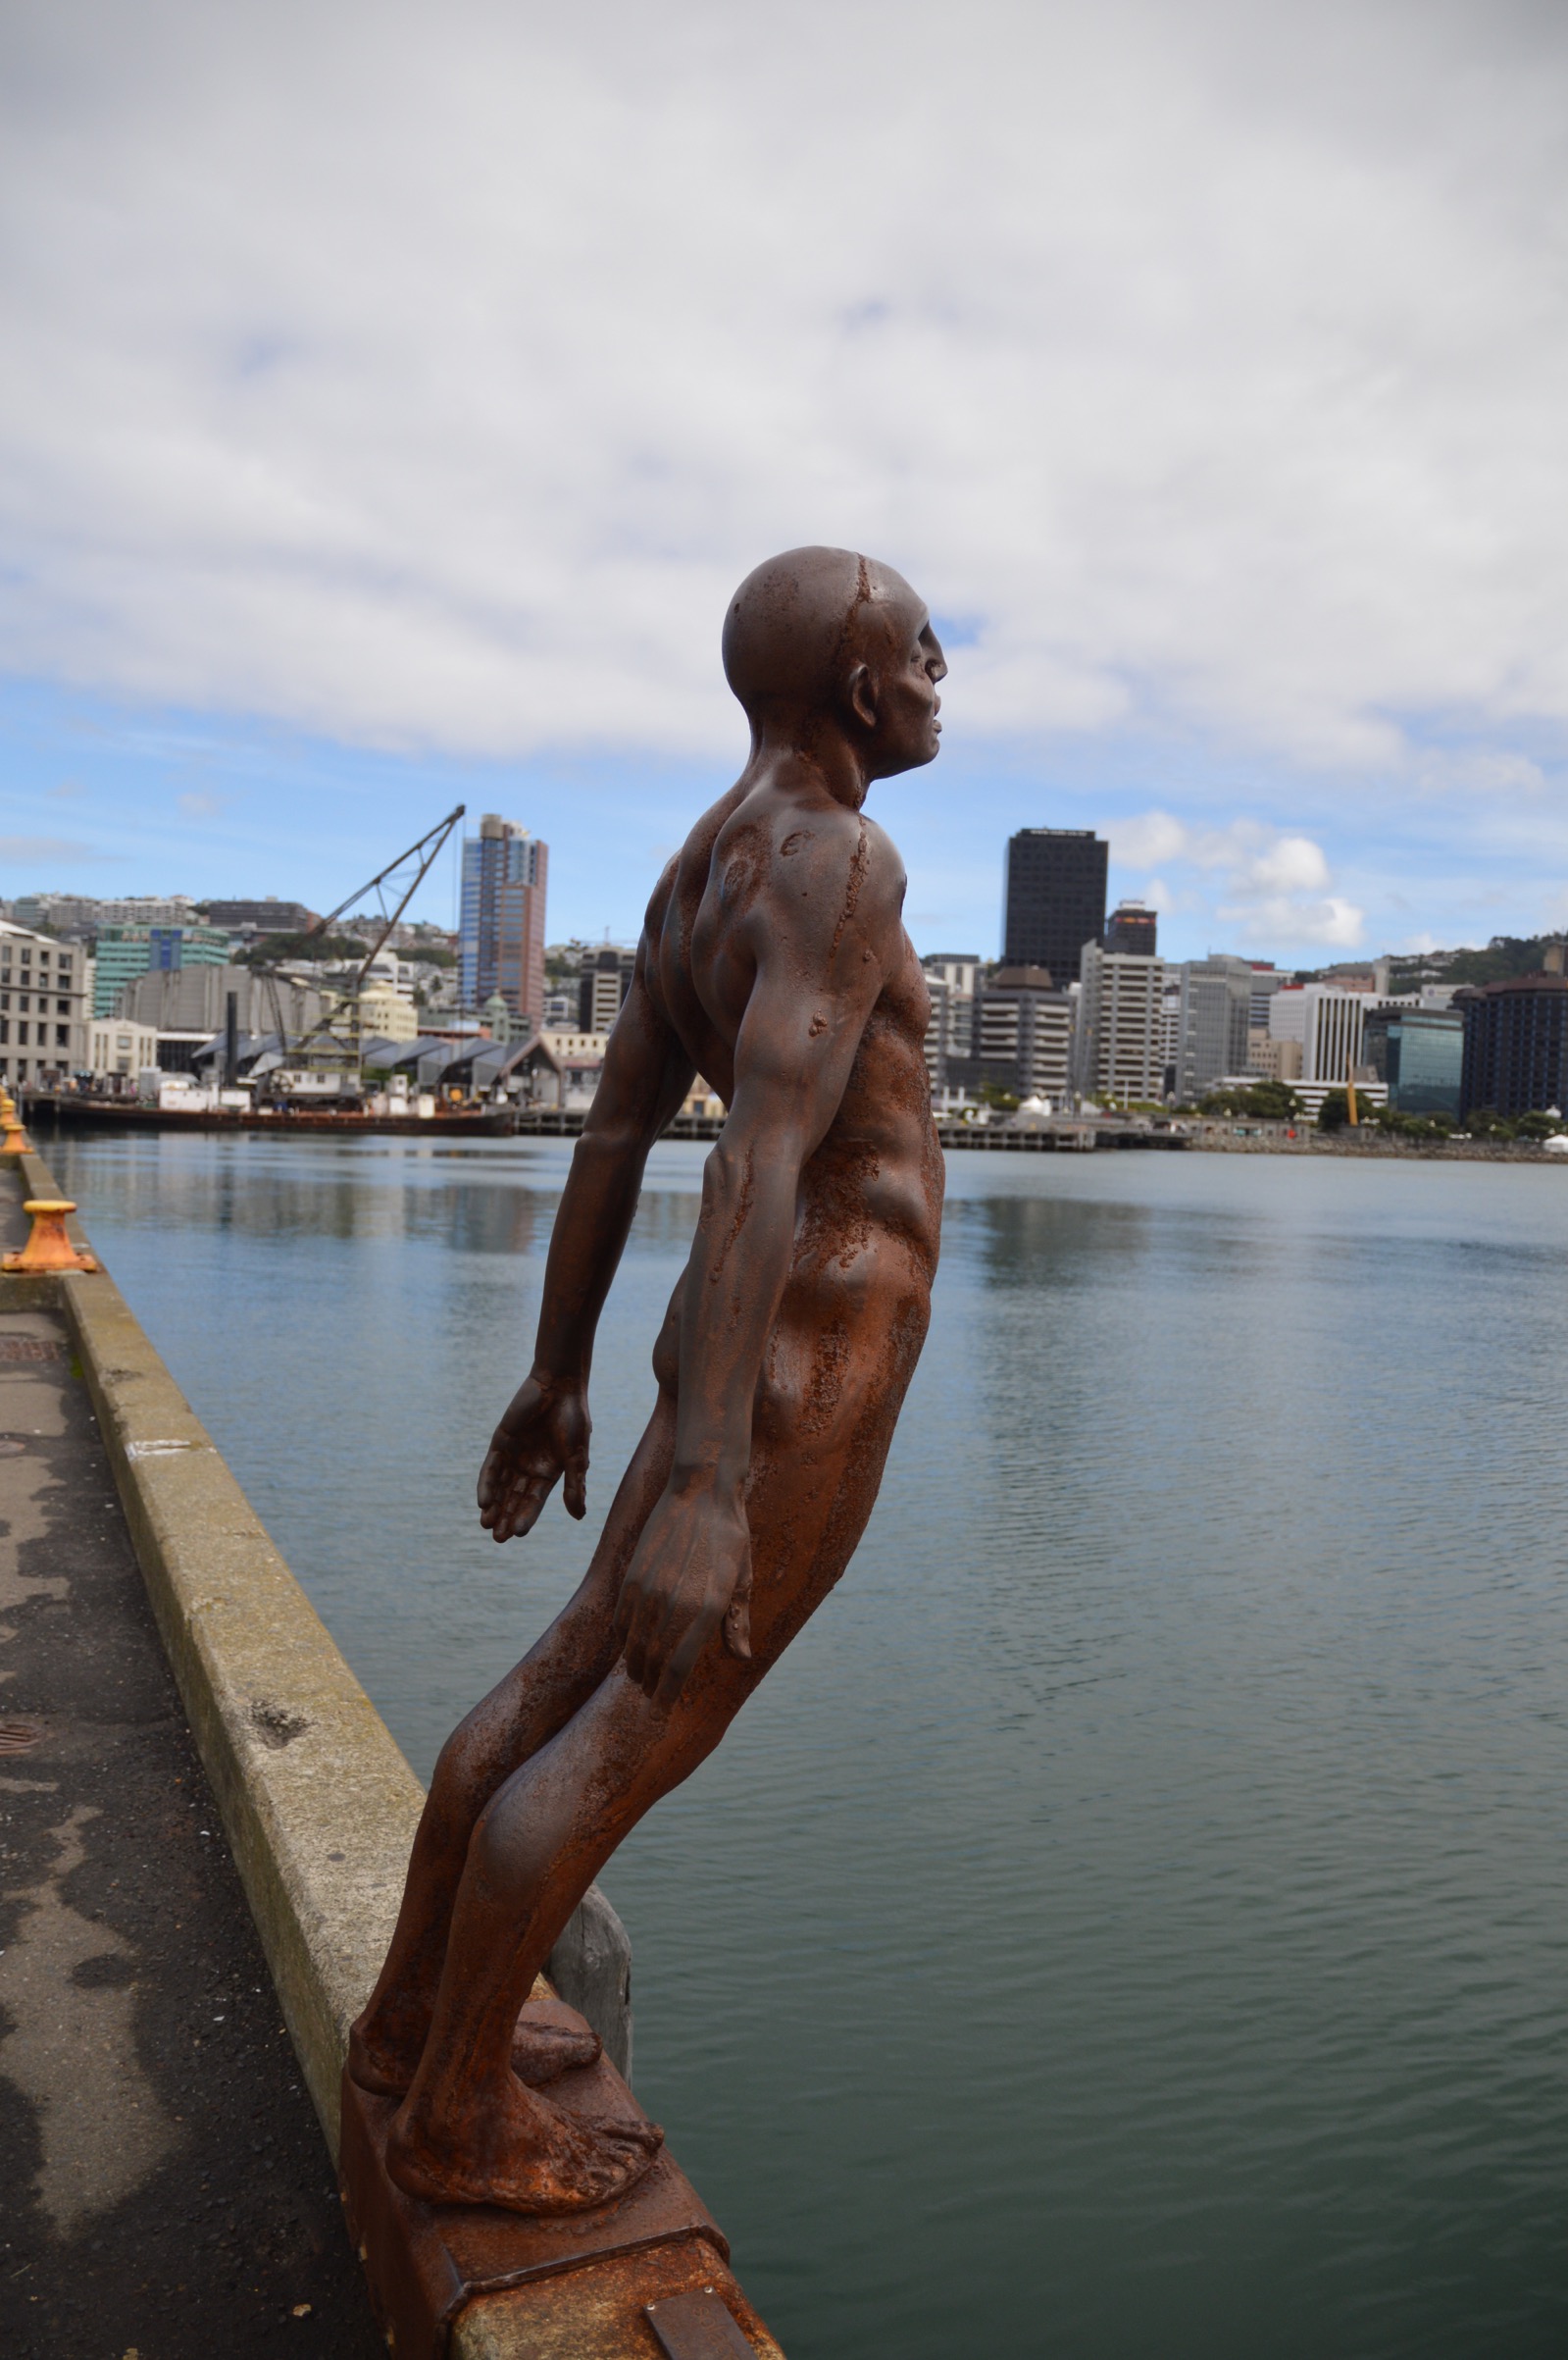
(1133, 1920)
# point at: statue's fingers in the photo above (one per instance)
(643, 1654)
(493, 1473)
(679, 1658)
(575, 1494)
(527, 1502)
(659, 1619)
(524, 1505)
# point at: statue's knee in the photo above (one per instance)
(508, 1848)
(457, 1780)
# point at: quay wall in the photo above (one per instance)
(318, 1803)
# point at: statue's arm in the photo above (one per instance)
(823, 945)
(543, 1433)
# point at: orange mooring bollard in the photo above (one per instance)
(17, 1141)
(48, 1248)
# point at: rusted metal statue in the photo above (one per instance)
(774, 961)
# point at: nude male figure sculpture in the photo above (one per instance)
(774, 961)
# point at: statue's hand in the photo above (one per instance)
(543, 1436)
(691, 1571)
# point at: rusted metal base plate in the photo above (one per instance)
(608, 2312)
(698, 2325)
(425, 2262)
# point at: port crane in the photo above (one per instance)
(335, 1047)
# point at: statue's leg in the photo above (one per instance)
(469, 2132)
(523, 1713)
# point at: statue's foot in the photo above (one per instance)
(542, 2051)
(382, 2062)
(518, 2151)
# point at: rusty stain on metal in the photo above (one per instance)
(698, 2325)
(425, 2262)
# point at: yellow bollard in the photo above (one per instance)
(17, 1142)
(48, 1248)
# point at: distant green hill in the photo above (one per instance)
(1504, 956)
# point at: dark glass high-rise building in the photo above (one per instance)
(1133, 928)
(1055, 899)
(1516, 1044)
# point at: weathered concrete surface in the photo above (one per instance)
(163, 2184)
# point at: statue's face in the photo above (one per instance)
(909, 664)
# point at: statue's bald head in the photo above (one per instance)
(799, 624)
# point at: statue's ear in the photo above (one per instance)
(860, 696)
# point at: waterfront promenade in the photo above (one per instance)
(164, 2185)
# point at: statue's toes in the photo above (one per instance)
(646, 2138)
(542, 2052)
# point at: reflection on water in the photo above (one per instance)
(1133, 1918)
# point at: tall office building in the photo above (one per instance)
(501, 943)
(1131, 927)
(1055, 900)
(1216, 1006)
(1327, 1022)
(1023, 1033)
(1516, 1041)
(1119, 1038)
(952, 978)
(603, 982)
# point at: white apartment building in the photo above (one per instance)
(1023, 1033)
(1119, 1048)
(1326, 1022)
(44, 1005)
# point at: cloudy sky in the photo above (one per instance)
(390, 396)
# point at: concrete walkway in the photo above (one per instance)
(165, 2190)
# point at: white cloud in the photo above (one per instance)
(430, 375)
(1267, 887)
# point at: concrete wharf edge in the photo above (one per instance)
(318, 1803)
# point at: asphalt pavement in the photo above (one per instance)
(165, 2189)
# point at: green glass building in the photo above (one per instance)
(1420, 1053)
(127, 951)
